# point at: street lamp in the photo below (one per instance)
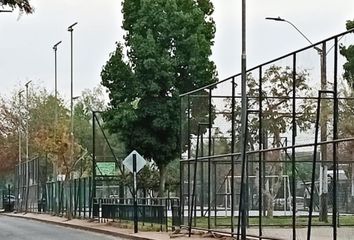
(19, 128)
(70, 29)
(323, 124)
(73, 138)
(55, 48)
(279, 19)
(27, 152)
(19, 176)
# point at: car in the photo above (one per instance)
(8, 202)
(6, 198)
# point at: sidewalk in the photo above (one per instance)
(105, 228)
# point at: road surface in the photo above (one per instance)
(23, 229)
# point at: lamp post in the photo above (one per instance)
(70, 29)
(19, 127)
(323, 124)
(19, 180)
(55, 48)
(73, 135)
(27, 150)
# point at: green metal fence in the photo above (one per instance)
(66, 197)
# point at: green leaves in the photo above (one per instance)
(348, 53)
(168, 45)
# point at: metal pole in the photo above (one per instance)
(135, 200)
(243, 120)
(189, 156)
(323, 126)
(194, 185)
(70, 29)
(293, 150)
(93, 156)
(27, 149)
(233, 119)
(201, 176)
(260, 139)
(19, 180)
(209, 154)
(181, 165)
(335, 137)
(55, 47)
(313, 175)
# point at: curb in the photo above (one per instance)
(89, 229)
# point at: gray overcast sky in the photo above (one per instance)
(26, 44)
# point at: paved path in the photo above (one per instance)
(23, 229)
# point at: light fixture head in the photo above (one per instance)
(70, 28)
(279, 19)
(56, 45)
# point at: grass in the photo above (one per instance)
(149, 227)
(283, 221)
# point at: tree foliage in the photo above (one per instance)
(277, 90)
(22, 5)
(348, 53)
(168, 46)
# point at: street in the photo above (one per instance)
(22, 229)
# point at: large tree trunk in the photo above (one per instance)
(162, 171)
(270, 206)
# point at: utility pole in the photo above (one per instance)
(323, 215)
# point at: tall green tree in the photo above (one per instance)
(22, 5)
(168, 45)
(348, 53)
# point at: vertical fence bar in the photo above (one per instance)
(215, 195)
(293, 150)
(209, 159)
(80, 198)
(335, 137)
(309, 225)
(201, 175)
(90, 197)
(93, 191)
(233, 119)
(189, 156)
(75, 196)
(260, 139)
(84, 200)
(181, 165)
(194, 184)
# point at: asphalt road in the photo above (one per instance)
(22, 229)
